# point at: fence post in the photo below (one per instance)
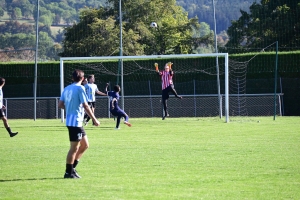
(239, 103)
(6, 107)
(281, 96)
(195, 104)
(279, 104)
(151, 106)
(56, 109)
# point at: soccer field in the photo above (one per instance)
(178, 158)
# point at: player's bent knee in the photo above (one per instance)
(4, 119)
(86, 146)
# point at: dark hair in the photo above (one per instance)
(2, 80)
(90, 76)
(77, 75)
(117, 88)
(83, 81)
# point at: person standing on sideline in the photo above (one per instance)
(74, 101)
(114, 106)
(2, 108)
(167, 85)
(91, 90)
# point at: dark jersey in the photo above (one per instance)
(114, 98)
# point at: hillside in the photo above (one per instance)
(226, 11)
(17, 21)
(66, 12)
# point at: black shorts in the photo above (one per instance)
(92, 104)
(2, 113)
(165, 92)
(76, 133)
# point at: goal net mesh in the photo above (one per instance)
(194, 78)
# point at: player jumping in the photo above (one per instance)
(167, 85)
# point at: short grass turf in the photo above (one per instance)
(178, 158)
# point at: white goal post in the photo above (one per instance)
(121, 58)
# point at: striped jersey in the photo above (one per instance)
(166, 78)
(1, 98)
(73, 97)
(91, 90)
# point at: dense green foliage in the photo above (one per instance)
(56, 11)
(266, 23)
(68, 11)
(137, 37)
(226, 11)
(93, 27)
(16, 35)
(97, 32)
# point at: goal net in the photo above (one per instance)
(141, 86)
(195, 78)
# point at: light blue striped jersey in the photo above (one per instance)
(73, 97)
(91, 90)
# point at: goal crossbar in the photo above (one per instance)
(225, 55)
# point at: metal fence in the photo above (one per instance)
(150, 106)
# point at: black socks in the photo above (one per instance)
(75, 163)
(8, 130)
(69, 168)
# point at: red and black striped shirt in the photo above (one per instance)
(166, 78)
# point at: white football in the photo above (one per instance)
(153, 25)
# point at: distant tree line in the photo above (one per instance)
(226, 11)
(98, 30)
(267, 22)
(93, 29)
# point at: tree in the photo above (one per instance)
(204, 29)
(1, 12)
(99, 29)
(17, 41)
(17, 13)
(266, 23)
(25, 6)
(45, 45)
(226, 11)
(92, 36)
(203, 41)
(15, 27)
(45, 20)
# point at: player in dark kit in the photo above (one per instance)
(167, 85)
(114, 107)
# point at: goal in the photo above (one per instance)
(195, 79)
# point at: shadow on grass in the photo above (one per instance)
(30, 179)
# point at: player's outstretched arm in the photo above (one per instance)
(156, 69)
(106, 91)
(101, 93)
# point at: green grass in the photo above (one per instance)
(183, 158)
